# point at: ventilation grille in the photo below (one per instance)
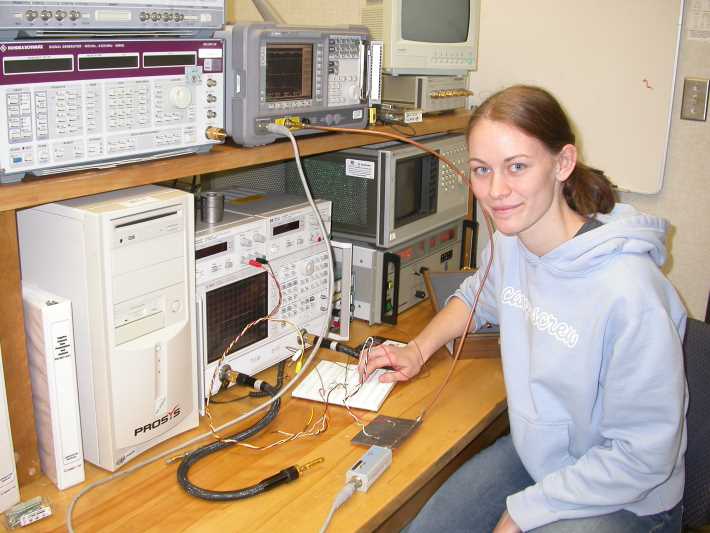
(266, 178)
(372, 17)
(327, 180)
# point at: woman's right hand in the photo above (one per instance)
(406, 362)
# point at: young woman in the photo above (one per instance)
(590, 340)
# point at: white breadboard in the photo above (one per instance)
(9, 491)
(338, 381)
(55, 396)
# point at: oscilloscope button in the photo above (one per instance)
(60, 15)
(258, 237)
(45, 15)
(74, 14)
(144, 16)
(30, 14)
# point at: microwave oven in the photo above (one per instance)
(389, 193)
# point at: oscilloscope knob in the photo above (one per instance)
(307, 268)
(180, 96)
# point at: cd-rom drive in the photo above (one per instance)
(79, 103)
(50, 350)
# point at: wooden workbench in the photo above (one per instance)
(64, 186)
(150, 500)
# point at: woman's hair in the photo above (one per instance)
(537, 113)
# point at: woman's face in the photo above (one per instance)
(515, 178)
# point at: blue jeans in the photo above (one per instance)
(473, 499)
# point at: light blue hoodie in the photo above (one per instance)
(591, 348)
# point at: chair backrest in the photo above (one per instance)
(696, 499)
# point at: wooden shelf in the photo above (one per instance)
(64, 186)
(222, 157)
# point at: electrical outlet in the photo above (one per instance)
(695, 99)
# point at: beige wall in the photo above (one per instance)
(319, 12)
(685, 197)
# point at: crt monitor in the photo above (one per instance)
(425, 36)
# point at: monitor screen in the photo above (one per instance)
(289, 71)
(426, 21)
(408, 192)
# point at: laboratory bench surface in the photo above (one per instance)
(31, 192)
(469, 414)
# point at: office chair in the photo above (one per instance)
(696, 499)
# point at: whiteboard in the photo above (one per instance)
(610, 63)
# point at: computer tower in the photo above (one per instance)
(125, 259)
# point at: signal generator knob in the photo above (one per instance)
(180, 96)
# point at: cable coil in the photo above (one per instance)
(237, 494)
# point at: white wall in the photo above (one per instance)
(685, 197)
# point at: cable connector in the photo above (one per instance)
(232, 377)
(287, 475)
(368, 469)
(255, 263)
(361, 477)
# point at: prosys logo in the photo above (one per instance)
(175, 411)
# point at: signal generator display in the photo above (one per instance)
(51, 18)
(317, 75)
(71, 105)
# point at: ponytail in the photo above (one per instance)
(588, 191)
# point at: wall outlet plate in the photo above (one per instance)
(695, 99)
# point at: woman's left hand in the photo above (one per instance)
(506, 524)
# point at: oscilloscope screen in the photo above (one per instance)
(230, 308)
(289, 72)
